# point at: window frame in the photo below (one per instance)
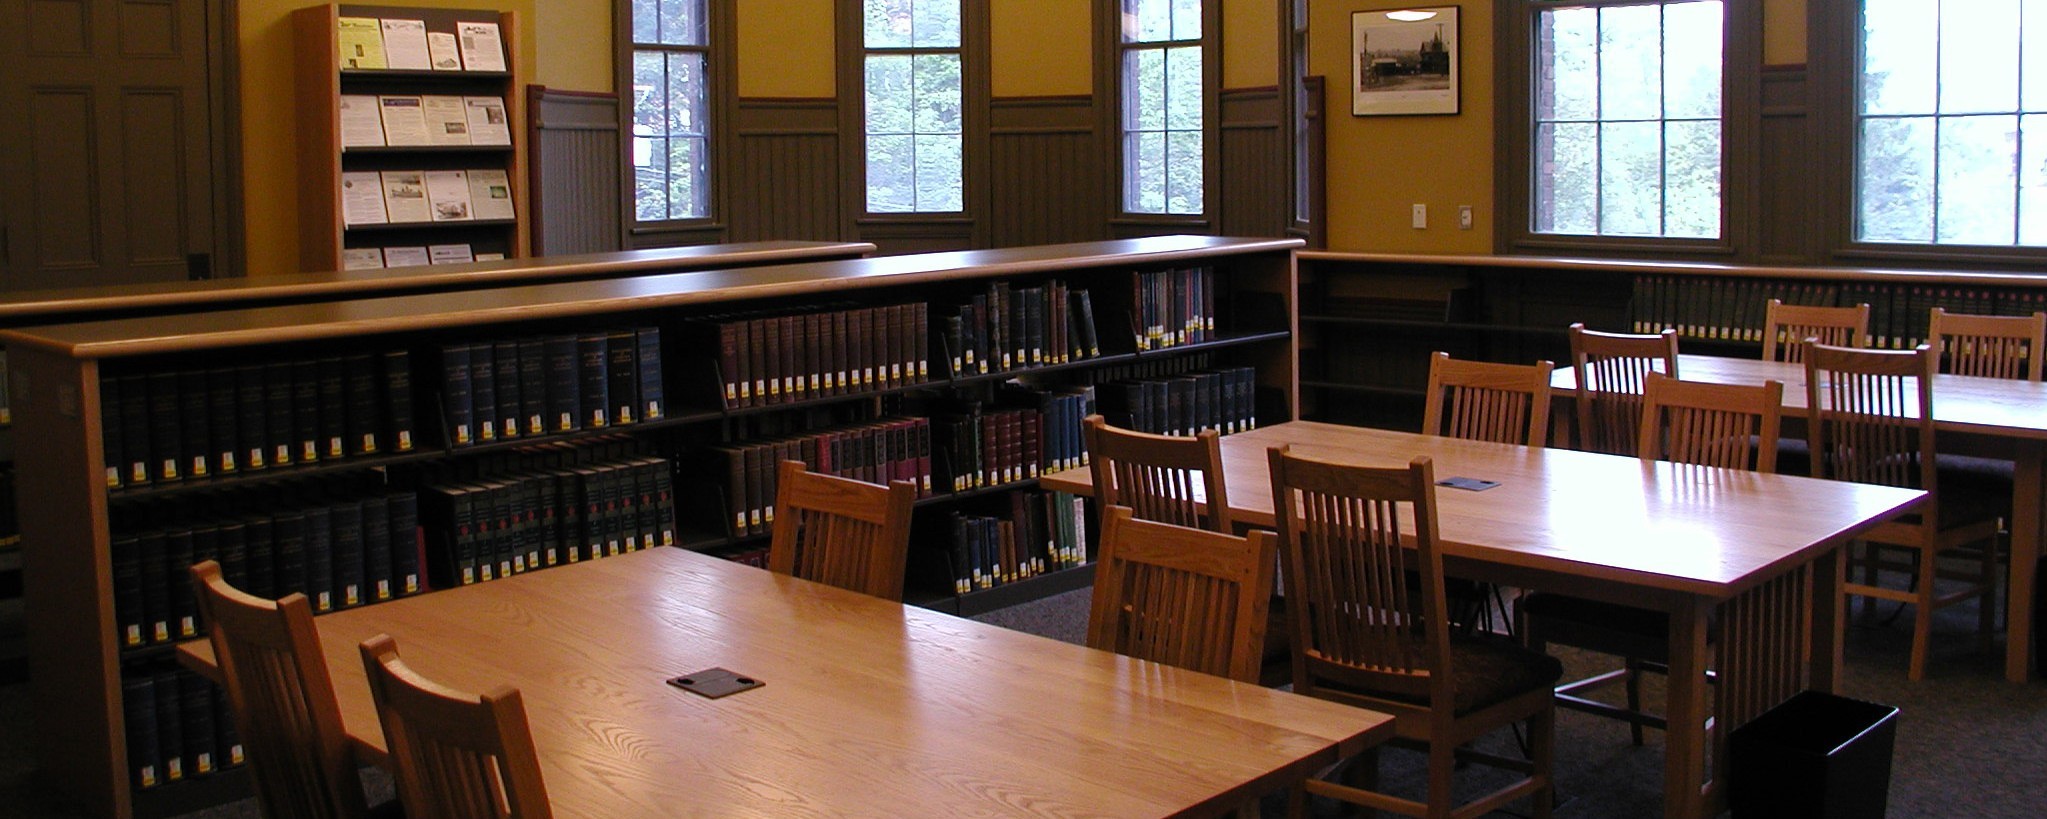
(969, 222)
(1833, 63)
(720, 101)
(1514, 133)
(1109, 48)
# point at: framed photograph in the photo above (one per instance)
(1403, 61)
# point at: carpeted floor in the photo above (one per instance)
(1969, 744)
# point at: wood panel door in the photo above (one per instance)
(109, 119)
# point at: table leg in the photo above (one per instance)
(1684, 768)
(1829, 618)
(2025, 554)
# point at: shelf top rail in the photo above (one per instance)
(32, 306)
(1644, 267)
(193, 332)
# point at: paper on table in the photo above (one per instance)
(404, 121)
(362, 42)
(441, 48)
(447, 122)
(482, 48)
(405, 198)
(490, 194)
(448, 192)
(405, 44)
(487, 122)
(362, 124)
(362, 258)
(362, 199)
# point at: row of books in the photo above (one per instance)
(424, 197)
(889, 449)
(398, 43)
(988, 447)
(779, 359)
(178, 725)
(174, 425)
(340, 553)
(371, 258)
(1224, 400)
(1043, 532)
(1008, 328)
(518, 388)
(1732, 309)
(1173, 307)
(399, 120)
(496, 527)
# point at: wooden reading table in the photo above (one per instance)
(1758, 551)
(1998, 417)
(870, 708)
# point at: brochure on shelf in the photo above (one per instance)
(362, 199)
(405, 44)
(447, 120)
(490, 194)
(448, 193)
(362, 42)
(405, 197)
(404, 256)
(488, 124)
(362, 122)
(482, 47)
(362, 258)
(404, 120)
(441, 48)
(449, 254)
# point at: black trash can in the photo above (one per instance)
(1814, 756)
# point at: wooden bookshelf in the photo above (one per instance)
(66, 511)
(323, 158)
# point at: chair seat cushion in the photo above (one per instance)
(1487, 670)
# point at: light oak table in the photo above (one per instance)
(870, 708)
(1996, 417)
(1759, 552)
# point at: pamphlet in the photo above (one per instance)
(449, 254)
(362, 42)
(447, 123)
(362, 125)
(362, 199)
(448, 193)
(362, 258)
(490, 194)
(405, 44)
(405, 198)
(482, 48)
(487, 122)
(404, 256)
(441, 48)
(404, 121)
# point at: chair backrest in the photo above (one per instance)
(1184, 597)
(1734, 426)
(1610, 369)
(282, 700)
(454, 755)
(839, 531)
(1482, 401)
(1787, 326)
(1872, 415)
(1355, 620)
(1989, 346)
(1159, 477)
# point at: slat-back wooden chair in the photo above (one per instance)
(1726, 426)
(1483, 401)
(1787, 326)
(1184, 597)
(1161, 478)
(1989, 346)
(1872, 422)
(282, 700)
(1610, 369)
(1386, 645)
(842, 532)
(454, 755)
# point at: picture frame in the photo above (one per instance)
(1404, 62)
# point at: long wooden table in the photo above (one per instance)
(1761, 550)
(1971, 415)
(870, 708)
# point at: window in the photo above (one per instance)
(1626, 110)
(914, 105)
(1950, 125)
(670, 122)
(1163, 91)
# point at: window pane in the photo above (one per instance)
(646, 21)
(1898, 38)
(686, 94)
(1691, 179)
(939, 173)
(889, 97)
(1630, 178)
(1567, 50)
(1186, 19)
(1894, 180)
(887, 23)
(1144, 89)
(936, 24)
(1978, 179)
(650, 179)
(891, 184)
(2034, 82)
(1691, 82)
(1183, 87)
(688, 195)
(936, 86)
(1630, 67)
(1979, 63)
(2033, 181)
(670, 114)
(1147, 21)
(1144, 172)
(1183, 172)
(650, 94)
(682, 22)
(1566, 185)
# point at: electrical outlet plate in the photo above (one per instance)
(1463, 217)
(1421, 216)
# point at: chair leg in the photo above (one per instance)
(1442, 766)
(1542, 729)
(1922, 619)
(1634, 687)
(1869, 577)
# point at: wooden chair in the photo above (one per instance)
(846, 533)
(1872, 422)
(1159, 477)
(1184, 597)
(1989, 346)
(1388, 646)
(1610, 369)
(1482, 401)
(282, 700)
(1787, 326)
(1688, 422)
(454, 755)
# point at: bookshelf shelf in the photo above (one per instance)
(459, 224)
(415, 150)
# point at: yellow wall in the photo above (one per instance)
(573, 48)
(1783, 32)
(1041, 48)
(1250, 43)
(785, 48)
